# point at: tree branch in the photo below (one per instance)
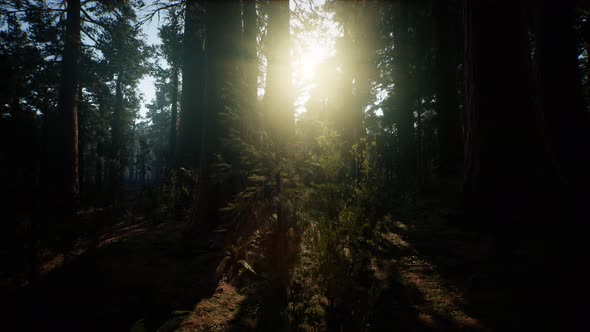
(87, 34)
(89, 19)
(149, 16)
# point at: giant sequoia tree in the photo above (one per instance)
(250, 47)
(278, 95)
(447, 53)
(403, 92)
(501, 166)
(561, 103)
(193, 102)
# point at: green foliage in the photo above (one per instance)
(176, 194)
(243, 258)
(328, 201)
(30, 47)
(172, 36)
(159, 110)
(339, 222)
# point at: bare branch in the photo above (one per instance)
(88, 18)
(149, 16)
(89, 35)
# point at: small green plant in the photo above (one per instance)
(176, 195)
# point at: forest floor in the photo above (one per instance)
(124, 268)
(426, 270)
(423, 273)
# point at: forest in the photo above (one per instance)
(294, 165)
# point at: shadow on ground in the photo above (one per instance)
(137, 271)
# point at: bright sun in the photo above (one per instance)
(309, 59)
(312, 45)
(311, 53)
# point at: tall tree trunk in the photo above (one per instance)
(278, 107)
(561, 102)
(132, 154)
(217, 63)
(420, 155)
(362, 28)
(567, 130)
(193, 107)
(68, 105)
(117, 139)
(82, 146)
(501, 149)
(278, 97)
(405, 124)
(142, 161)
(250, 66)
(249, 34)
(82, 167)
(173, 118)
(194, 84)
(450, 141)
(99, 178)
(223, 59)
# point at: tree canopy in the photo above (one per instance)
(346, 165)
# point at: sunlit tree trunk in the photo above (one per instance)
(278, 97)
(173, 118)
(278, 106)
(250, 31)
(250, 66)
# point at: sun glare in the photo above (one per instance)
(306, 61)
(312, 45)
(309, 59)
